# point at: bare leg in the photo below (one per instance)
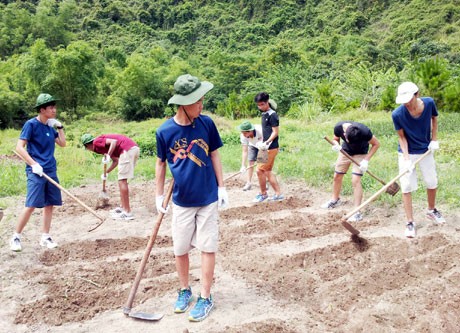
(431, 196)
(208, 262)
(357, 190)
(182, 267)
(47, 216)
(337, 185)
(273, 182)
(262, 181)
(124, 194)
(24, 218)
(407, 201)
(250, 171)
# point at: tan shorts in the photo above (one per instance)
(127, 162)
(195, 227)
(270, 162)
(428, 168)
(343, 164)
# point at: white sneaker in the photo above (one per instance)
(436, 216)
(123, 216)
(356, 217)
(410, 230)
(117, 210)
(332, 204)
(48, 242)
(15, 244)
(247, 187)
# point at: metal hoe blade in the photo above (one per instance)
(146, 316)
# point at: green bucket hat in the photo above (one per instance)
(86, 138)
(43, 99)
(246, 126)
(189, 89)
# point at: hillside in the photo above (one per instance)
(105, 55)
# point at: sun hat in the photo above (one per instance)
(406, 91)
(189, 89)
(86, 138)
(43, 99)
(246, 126)
(273, 104)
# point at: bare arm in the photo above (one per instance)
(21, 150)
(217, 165)
(160, 176)
(61, 140)
(375, 145)
(434, 128)
(403, 143)
(336, 138)
(275, 131)
(244, 155)
(112, 143)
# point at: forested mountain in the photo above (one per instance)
(122, 57)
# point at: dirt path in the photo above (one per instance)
(282, 267)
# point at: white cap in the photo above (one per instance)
(406, 91)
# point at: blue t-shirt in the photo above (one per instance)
(270, 119)
(188, 152)
(416, 130)
(40, 144)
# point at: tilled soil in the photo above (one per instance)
(284, 266)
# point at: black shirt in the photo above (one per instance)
(364, 135)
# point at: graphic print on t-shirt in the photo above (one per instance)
(196, 148)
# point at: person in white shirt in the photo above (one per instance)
(249, 137)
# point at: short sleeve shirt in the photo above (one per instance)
(187, 150)
(252, 141)
(270, 119)
(416, 130)
(364, 134)
(123, 144)
(40, 144)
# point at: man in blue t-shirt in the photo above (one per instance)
(40, 137)
(356, 138)
(416, 122)
(189, 144)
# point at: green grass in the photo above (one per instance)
(304, 154)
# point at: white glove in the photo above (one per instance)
(37, 169)
(106, 159)
(262, 145)
(408, 165)
(336, 147)
(222, 197)
(363, 166)
(159, 202)
(52, 122)
(434, 145)
(104, 176)
(243, 169)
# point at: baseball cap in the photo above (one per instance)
(406, 91)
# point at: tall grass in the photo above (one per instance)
(304, 154)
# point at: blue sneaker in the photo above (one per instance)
(202, 308)
(183, 300)
(277, 197)
(260, 197)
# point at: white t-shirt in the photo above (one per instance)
(252, 141)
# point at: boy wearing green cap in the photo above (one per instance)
(36, 145)
(250, 137)
(188, 143)
(124, 153)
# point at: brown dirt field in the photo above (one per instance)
(282, 267)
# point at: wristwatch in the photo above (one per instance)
(59, 127)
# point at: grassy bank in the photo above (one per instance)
(304, 155)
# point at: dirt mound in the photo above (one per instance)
(284, 266)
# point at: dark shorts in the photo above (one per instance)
(41, 193)
(252, 153)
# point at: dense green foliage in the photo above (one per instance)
(122, 57)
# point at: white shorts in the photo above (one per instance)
(428, 168)
(195, 227)
(127, 162)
